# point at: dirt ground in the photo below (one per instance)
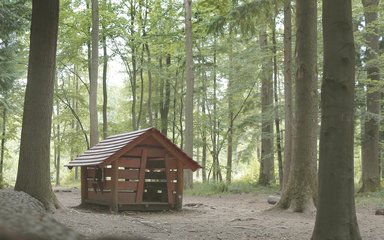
(235, 216)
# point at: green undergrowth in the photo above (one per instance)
(374, 198)
(221, 188)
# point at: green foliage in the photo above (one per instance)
(237, 187)
(69, 180)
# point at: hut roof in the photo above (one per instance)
(115, 146)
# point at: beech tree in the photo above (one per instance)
(33, 175)
(190, 85)
(336, 216)
(371, 137)
(300, 191)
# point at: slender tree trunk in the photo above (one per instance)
(276, 99)
(371, 138)
(266, 176)
(105, 89)
(93, 115)
(288, 122)
(3, 134)
(300, 191)
(188, 176)
(166, 97)
(33, 176)
(149, 101)
(336, 216)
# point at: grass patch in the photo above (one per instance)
(375, 198)
(237, 187)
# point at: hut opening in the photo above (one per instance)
(141, 170)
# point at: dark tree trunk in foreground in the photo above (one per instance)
(371, 147)
(300, 191)
(33, 175)
(336, 216)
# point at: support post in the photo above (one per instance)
(180, 186)
(115, 181)
(140, 185)
(84, 185)
(171, 200)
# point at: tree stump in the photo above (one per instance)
(379, 211)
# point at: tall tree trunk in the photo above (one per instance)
(33, 176)
(288, 122)
(105, 89)
(300, 192)
(149, 72)
(166, 97)
(371, 138)
(276, 99)
(266, 176)
(93, 115)
(188, 176)
(336, 216)
(3, 134)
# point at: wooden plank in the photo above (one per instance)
(128, 185)
(179, 187)
(155, 175)
(128, 162)
(140, 187)
(84, 184)
(169, 183)
(91, 172)
(129, 174)
(101, 197)
(114, 181)
(155, 164)
(150, 206)
(171, 176)
(126, 197)
(156, 185)
(172, 163)
(107, 185)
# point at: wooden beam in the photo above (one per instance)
(114, 180)
(140, 186)
(179, 186)
(84, 185)
(171, 200)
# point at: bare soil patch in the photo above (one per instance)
(234, 216)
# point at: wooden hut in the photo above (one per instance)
(141, 170)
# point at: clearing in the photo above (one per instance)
(225, 217)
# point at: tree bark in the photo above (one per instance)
(188, 176)
(93, 114)
(288, 121)
(300, 191)
(266, 176)
(3, 134)
(371, 138)
(105, 89)
(336, 216)
(33, 175)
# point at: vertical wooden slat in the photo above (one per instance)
(140, 186)
(167, 174)
(180, 186)
(84, 185)
(114, 181)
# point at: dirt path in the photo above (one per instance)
(237, 216)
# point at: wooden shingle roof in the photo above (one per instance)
(114, 146)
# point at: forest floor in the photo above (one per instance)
(224, 217)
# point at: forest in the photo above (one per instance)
(279, 95)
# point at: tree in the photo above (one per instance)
(189, 92)
(93, 116)
(300, 191)
(288, 120)
(266, 176)
(370, 142)
(336, 216)
(33, 175)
